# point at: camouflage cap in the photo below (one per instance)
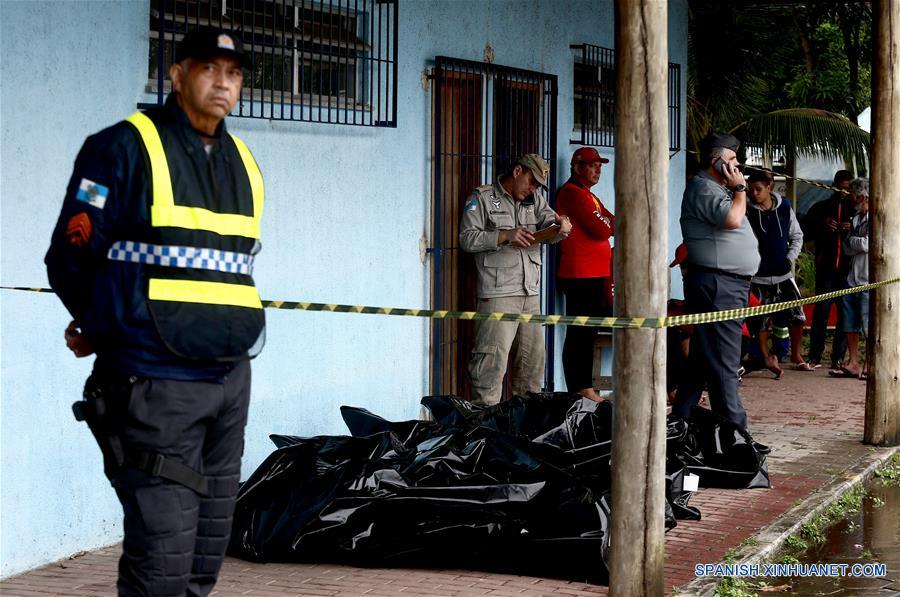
(538, 166)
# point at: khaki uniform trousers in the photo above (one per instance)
(493, 341)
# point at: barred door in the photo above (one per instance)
(484, 117)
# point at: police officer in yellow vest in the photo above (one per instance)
(153, 256)
(498, 225)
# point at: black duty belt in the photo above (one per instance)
(721, 272)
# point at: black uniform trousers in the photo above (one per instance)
(175, 539)
(584, 296)
(715, 352)
(828, 282)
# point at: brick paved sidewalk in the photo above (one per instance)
(813, 423)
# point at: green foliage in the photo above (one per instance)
(851, 502)
(726, 46)
(795, 543)
(788, 559)
(829, 84)
(890, 472)
(790, 76)
(737, 587)
(835, 70)
(730, 556)
(805, 272)
(812, 531)
(750, 542)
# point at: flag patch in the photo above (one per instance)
(92, 193)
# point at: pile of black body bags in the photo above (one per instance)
(520, 487)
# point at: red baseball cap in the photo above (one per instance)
(681, 254)
(587, 155)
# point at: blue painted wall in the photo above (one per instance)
(348, 209)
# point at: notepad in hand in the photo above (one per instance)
(546, 234)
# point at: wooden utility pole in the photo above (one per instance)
(883, 345)
(641, 288)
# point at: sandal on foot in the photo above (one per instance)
(843, 372)
(803, 366)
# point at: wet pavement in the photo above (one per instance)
(871, 536)
(813, 423)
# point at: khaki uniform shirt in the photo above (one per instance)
(504, 270)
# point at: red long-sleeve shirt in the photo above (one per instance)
(586, 253)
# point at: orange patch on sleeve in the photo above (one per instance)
(79, 229)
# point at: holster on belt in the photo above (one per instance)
(98, 408)
(104, 403)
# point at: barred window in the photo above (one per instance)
(331, 61)
(594, 75)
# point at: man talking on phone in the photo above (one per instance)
(498, 225)
(723, 255)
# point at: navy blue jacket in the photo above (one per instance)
(780, 239)
(108, 298)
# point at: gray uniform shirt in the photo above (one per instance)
(503, 270)
(704, 209)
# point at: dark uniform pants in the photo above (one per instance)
(175, 539)
(828, 282)
(715, 353)
(584, 296)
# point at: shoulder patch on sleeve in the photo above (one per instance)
(472, 205)
(92, 193)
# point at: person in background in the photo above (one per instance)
(856, 305)
(498, 225)
(584, 266)
(780, 240)
(825, 225)
(678, 337)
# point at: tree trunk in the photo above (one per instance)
(805, 44)
(641, 288)
(790, 181)
(850, 29)
(883, 345)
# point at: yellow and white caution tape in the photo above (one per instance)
(578, 320)
(811, 183)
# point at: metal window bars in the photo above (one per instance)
(484, 117)
(328, 61)
(595, 98)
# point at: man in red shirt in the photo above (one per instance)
(584, 268)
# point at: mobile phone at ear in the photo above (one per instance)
(719, 165)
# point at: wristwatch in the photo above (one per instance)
(738, 188)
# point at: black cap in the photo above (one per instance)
(720, 140)
(207, 42)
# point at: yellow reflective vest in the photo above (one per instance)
(197, 253)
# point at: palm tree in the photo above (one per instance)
(805, 132)
(740, 64)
